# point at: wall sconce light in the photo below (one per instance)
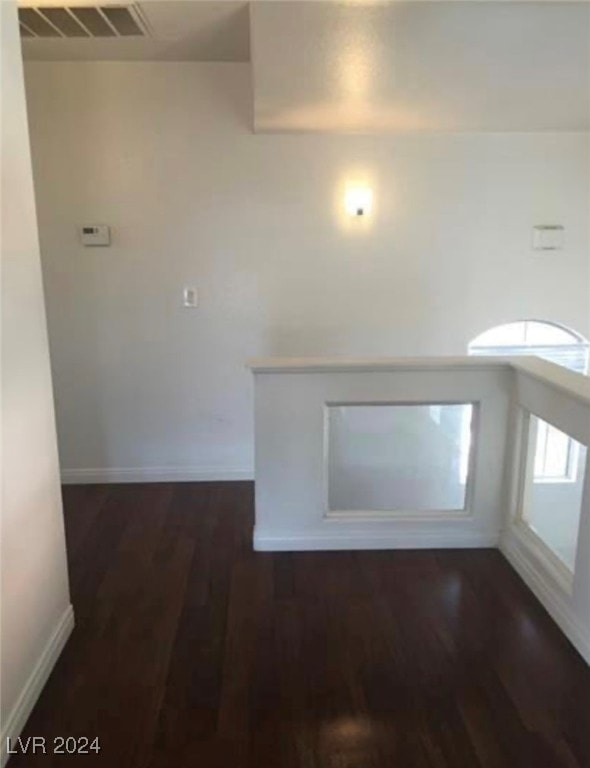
(358, 200)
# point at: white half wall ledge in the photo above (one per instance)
(16, 720)
(559, 378)
(370, 364)
(113, 475)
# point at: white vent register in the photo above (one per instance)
(82, 22)
(548, 237)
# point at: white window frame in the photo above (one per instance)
(571, 460)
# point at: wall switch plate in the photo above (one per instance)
(548, 237)
(95, 234)
(190, 297)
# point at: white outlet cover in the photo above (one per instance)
(190, 297)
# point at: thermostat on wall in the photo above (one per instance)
(548, 237)
(95, 234)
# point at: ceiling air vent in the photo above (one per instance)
(123, 21)
(83, 21)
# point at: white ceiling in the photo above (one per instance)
(375, 67)
(426, 66)
(204, 30)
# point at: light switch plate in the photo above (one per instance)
(548, 237)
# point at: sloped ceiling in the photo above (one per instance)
(427, 66)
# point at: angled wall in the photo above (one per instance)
(36, 612)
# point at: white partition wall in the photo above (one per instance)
(562, 584)
(297, 474)
(427, 453)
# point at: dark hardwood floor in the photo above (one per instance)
(192, 650)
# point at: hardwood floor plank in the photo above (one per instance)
(249, 604)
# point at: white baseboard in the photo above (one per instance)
(399, 540)
(552, 600)
(17, 719)
(154, 475)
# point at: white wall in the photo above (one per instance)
(36, 611)
(164, 153)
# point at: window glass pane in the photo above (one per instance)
(399, 457)
(545, 334)
(512, 334)
(553, 488)
(525, 333)
(553, 453)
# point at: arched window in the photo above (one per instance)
(534, 337)
(556, 455)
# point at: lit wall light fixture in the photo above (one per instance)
(358, 200)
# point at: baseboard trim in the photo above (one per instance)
(399, 540)
(154, 475)
(551, 599)
(31, 691)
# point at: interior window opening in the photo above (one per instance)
(557, 457)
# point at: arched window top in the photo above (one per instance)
(527, 333)
(535, 337)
